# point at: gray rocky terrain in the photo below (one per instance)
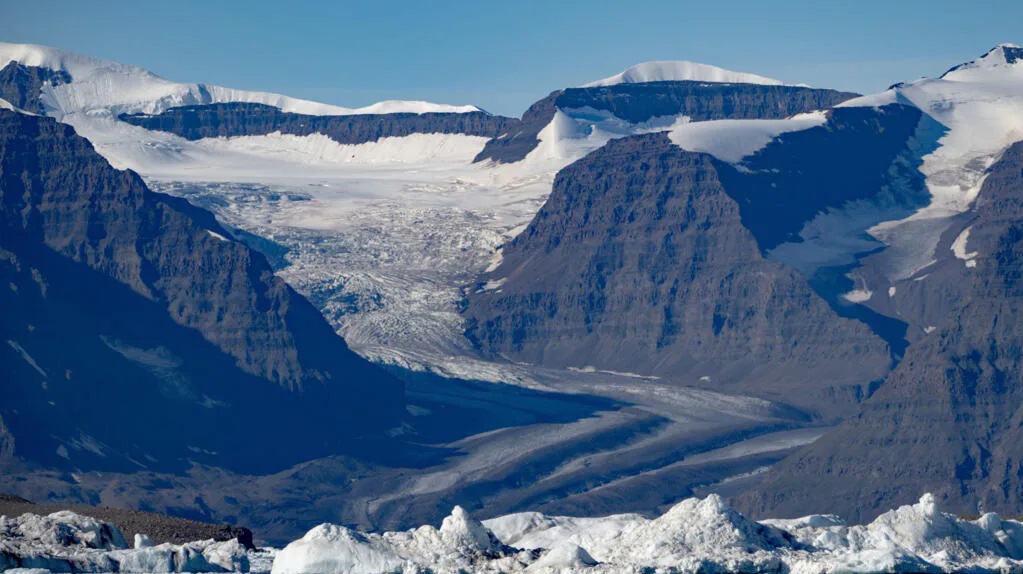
(638, 103)
(148, 313)
(244, 119)
(947, 419)
(640, 262)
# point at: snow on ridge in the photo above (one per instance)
(1002, 58)
(979, 105)
(120, 88)
(732, 140)
(680, 70)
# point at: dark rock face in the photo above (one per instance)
(801, 174)
(127, 312)
(20, 85)
(637, 103)
(701, 101)
(519, 137)
(244, 119)
(639, 262)
(947, 420)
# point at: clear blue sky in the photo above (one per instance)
(503, 55)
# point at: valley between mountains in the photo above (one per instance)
(677, 281)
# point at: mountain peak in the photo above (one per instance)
(680, 70)
(1002, 56)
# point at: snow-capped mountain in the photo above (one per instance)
(599, 112)
(98, 86)
(946, 418)
(731, 257)
(680, 71)
(383, 235)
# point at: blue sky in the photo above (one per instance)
(503, 56)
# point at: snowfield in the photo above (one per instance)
(104, 86)
(732, 140)
(980, 104)
(696, 535)
(680, 70)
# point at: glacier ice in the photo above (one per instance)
(702, 535)
(68, 542)
(696, 535)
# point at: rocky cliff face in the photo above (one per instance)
(638, 103)
(127, 311)
(640, 262)
(20, 85)
(947, 419)
(244, 119)
(803, 173)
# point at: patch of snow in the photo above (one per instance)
(417, 411)
(494, 285)
(320, 149)
(860, 293)
(891, 291)
(592, 369)
(28, 358)
(216, 235)
(732, 140)
(680, 70)
(959, 249)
